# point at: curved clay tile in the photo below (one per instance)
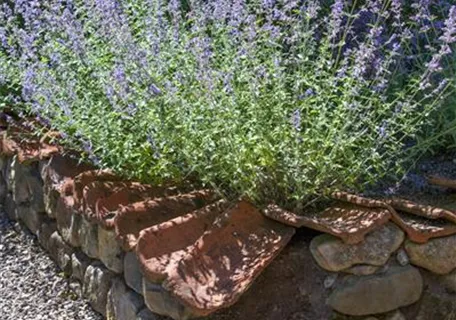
(102, 199)
(162, 246)
(87, 177)
(350, 222)
(61, 167)
(426, 211)
(131, 219)
(9, 147)
(225, 261)
(421, 230)
(426, 222)
(31, 151)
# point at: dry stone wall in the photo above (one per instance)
(197, 254)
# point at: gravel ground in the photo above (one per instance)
(31, 285)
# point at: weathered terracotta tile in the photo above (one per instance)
(225, 261)
(347, 221)
(426, 211)
(19, 139)
(131, 219)
(420, 229)
(102, 199)
(31, 151)
(422, 221)
(60, 167)
(161, 247)
(8, 146)
(85, 178)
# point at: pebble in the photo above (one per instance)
(31, 287)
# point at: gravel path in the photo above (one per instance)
(31, 286)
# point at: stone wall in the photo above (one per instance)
(387, 272)
(138, 250)
(29, 193)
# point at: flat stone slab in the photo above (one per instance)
(161, 247)
(332, 254)
(131, 219)
(225, 261)
(379, 293)
(68, 221)
(347, 221)
(31, 151)
(123, 303)
(161, 302)
(437, 306)
(109, 251)
(132, 272)
(96, 285)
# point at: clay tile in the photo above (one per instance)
(422, 210)
(131, 219)
(420, 229)
(224, 262)
(102, 200)
(87, 177)
(162, 246)
(347, 221)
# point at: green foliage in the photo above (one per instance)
(280, 106)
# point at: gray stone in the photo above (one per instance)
(109, 250)
(61, 252)
(26, 185)
(379, 293)
(362, 270)
(402, 257)
(123, 303)
(330, 280)
(30, 217)
(160, 301)
(76, 288)
(449, 281)
(48, 227)
(333, 254)
(97, 282)
(132, 272)
(437, 306)
(79, 264)
(146, 314)
(7, 174)
(10, 207)
(88, 236)
(68, 222)
(397, 315)
(50, 199)
(3, 188)
(437, 255)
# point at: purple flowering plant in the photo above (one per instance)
(279, 100)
